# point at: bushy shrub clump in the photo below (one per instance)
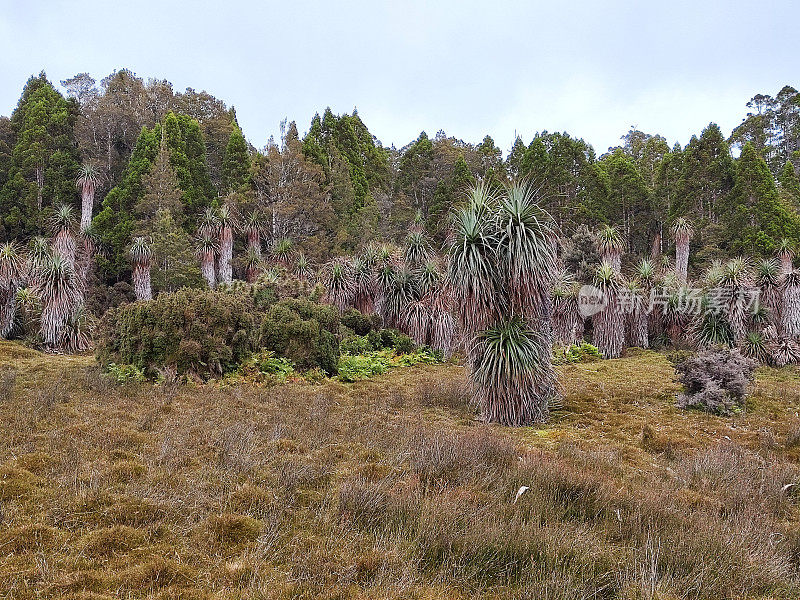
(200, 331)
(715, 380)
(360, 323)
(302, 331)
(211, 333)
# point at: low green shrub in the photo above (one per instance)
(302, 331)
(362, 366)
(584, 352)
(125, 373)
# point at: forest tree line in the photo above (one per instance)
(150, 162)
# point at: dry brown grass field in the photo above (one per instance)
(389, 488)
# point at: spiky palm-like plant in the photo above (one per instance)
(252, 225)
(363, 285)
(567, 320)
(610, 245)
(508, 373)
(790, 314)
(39, 253)
(609, 325)
(682, 231)
(501, 268)
(736, 283)
(767, 280)
(76, 335)
(141, 256)
(429, 277)
(282, 251)
(636, 318)
(338, 281)
(784, 351)
(208, 223)
(675, 313)
(417, 250)
(785, 254)
(647, 275)
(87, 182)
(56, 287)
(206, 250)
(416, 320)
(225, 268)
(253, 264)
(11, 272)
(401, 293)
(711, 328)
(302, 267)
(28, 311)
(472, 273)
(527, 253)
(62, 222)
(443, 325)
(418, 224)
(755, 346)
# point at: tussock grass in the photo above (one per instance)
(389, 488)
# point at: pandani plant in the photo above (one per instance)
(567, 320)
(338, 282)
(12, 267)
(141, 256)
(768, 283)
(710, 326)
(508, 374)
(610, 245)
(225, 231)
(282, 252)
(417, 250)
(206, 249)
(608, 323)
(364, 285)
(636, 317)
(790, 313)
(55, 285)
(736, 288)
(87, 181)
(502, 260)
(302, 267)
(682, 231)
(253, 264)
(62, 222)
(785, 254)
(252, 225)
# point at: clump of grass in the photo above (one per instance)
(232, 529)
(111, 541)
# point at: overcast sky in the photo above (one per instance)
(590, 68)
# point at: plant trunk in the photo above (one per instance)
(141, 282)
(786, 264)
(254, 242)
(790, 317)
(87, 204)
(682, 257)
(8, 311)
(225, 255)
(207, 269)
(64, 244)
(609, 328)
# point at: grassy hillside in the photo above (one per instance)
(389, 488)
